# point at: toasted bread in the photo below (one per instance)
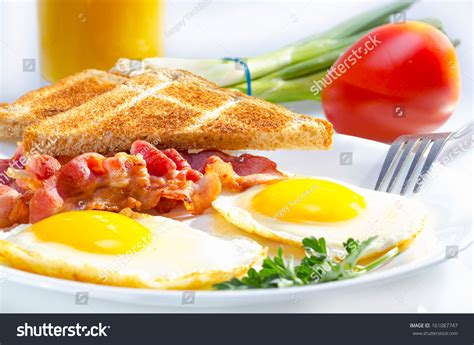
(53, 99)
(174, 108)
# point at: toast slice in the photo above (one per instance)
(53, 99)
(174, 108)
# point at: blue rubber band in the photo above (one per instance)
(248, 76)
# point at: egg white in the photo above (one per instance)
(394, 219)
(177, 257)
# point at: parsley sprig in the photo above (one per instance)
(316, 267)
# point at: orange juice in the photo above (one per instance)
(80, 34)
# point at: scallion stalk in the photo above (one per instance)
(279, 90)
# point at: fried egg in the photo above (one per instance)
(290, 210)
(147, 251)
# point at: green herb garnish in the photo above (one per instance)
(316, 267)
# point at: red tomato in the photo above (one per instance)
(399, 79)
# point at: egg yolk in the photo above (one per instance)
(304, 200)
(96, 232)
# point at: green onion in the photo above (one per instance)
(279, 90)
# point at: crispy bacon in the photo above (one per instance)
(143, 180)
(80, 175)
(13, 209)
(165, 205)
(45, 202)
(159, 163)
(243, 165)
(4, 165)
(204, 193)
(233, 181)
(43, 166)
(183, 165)
(16, 162)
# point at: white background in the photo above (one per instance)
(246, 28)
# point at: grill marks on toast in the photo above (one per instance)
(211, 115)
(60, 132)
(54, 99)
(174, 108)
(192, 93)
(146, 123)
(251, 115)
(107, 117)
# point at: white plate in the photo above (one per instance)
(442, 195)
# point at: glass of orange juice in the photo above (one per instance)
(80, 34)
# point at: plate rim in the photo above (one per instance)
(58, 284)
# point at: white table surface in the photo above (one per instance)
(212, 28)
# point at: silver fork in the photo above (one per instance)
(400, 154)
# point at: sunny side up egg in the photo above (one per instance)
(114, 249)
(300, 207)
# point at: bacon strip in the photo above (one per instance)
(16, 162)
(80, 175)
(204, 193)
(42, 166)
(143, 180)
(183, 165)
(13, 209)
(233, 181)
(243, 165)
(159, 163)
(4, 165)
(45, 202)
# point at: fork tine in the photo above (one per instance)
(388, 162)
(414, 164)
(401, 162)
(434, 152)
(463, 131)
